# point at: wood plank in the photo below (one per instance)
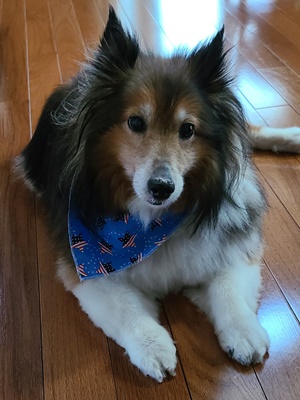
(277, 43)
(13, 52)
(147, 23)
(67, 37)
(209, 372)
(233, 29)
(276, 375)
(247, 44)
(258, 6)
(183, 25)
(278, 117)
(282, 237)
(39, 27)
(286, 82)
(42, 59)
(283, 175)
(20, 336)
(291, 8)
(44, 74)
(283, 24)
(90, 22)
(251, 114)
(255, 88)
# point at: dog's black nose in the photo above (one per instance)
(160, 189)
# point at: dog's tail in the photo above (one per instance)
(275, 139)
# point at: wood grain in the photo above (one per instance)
(291, 9)
(21, 370)
(277, 376)
(280, 78)
(90, 22)
(67, 37)
(21, 375)
(282, 237)
(257, 90)
(43, 68)
(275, 41)
(13, 52)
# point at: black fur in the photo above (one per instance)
(78, 112)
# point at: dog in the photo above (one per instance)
(163, 144)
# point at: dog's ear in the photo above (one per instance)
(118, 49)
(208, 64)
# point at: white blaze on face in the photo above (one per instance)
(145, 172)
(155, 155)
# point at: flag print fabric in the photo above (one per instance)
(117, 242)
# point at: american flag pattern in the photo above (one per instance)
(123, 217)
(116, 242)
(80, 270)
(156, 223)
(136, 260)
(127, 240)
(105, 268)
(78, 242)
(105, 247)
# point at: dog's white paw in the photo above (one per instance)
(247, 342)
(154, 353)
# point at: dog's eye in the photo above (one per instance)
(137, 124)
(186, 131)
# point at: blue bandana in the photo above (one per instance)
(117, 243)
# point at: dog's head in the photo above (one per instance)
(157, 133)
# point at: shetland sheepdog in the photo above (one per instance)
(162, 142)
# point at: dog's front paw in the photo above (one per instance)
(246, 342)
(154, 353)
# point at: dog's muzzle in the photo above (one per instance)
(160, 185)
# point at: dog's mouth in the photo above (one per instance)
(154, 202)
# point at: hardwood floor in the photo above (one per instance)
(49, 349)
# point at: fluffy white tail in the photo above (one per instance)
(276, 139)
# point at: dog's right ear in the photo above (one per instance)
(118, 49)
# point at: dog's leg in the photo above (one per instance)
(129, 317)
(275, 139)
(230, 301)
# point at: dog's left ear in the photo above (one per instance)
(118, 49)
(208, 64)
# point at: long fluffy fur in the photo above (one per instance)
(81, 143)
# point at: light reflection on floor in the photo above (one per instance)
(165, 25)
(190, 24)
(275, 317)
